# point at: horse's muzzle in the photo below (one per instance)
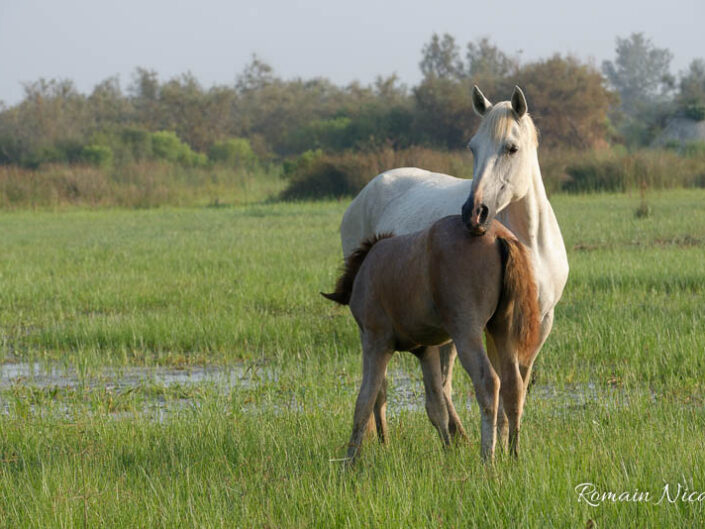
(475, 217)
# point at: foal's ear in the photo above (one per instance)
(519, 102)
(479, 102)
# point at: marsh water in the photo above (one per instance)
(165, 390)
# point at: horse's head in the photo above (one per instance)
(504, 148)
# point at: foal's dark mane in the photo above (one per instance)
(344, 285)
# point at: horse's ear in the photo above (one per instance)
(519, 102)
(479, 102)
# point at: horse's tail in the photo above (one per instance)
(344, 285)
(519, 301)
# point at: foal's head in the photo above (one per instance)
(504, 148)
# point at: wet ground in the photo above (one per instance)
(155, 383)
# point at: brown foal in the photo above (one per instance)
(419, 291)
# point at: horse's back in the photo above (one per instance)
(401, 201)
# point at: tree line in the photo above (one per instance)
(262, 117)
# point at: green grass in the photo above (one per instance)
(618, 400)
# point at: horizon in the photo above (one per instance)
(87, 43)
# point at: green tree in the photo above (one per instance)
(444, 114)
(484, 59)
(691, 93)
(568, 100)
(641, 75)
(640, 72)
(491, 68)
(441, 58)
(144, 95)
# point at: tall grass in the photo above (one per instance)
(136, 185)
(562, 170)
(150, 184)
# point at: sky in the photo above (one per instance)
(90, 40)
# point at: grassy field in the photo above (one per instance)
(618, 400)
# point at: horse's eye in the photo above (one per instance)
(512, 149)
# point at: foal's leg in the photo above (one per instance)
(502, 420)
(486, 383)
(512, 389)
(436, 406)
(376, 355)
(447, 357)
(380, 409)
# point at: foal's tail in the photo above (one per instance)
(344, 285)
(519, 300)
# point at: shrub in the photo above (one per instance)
(43, 155)
(166, 145)
(137, 142)
(345, 174)
(301, 163)
(233, 152)
(330, 134)
(694, 148)
(194, 159)
(695, 111)
(97, 155)
(315, 175)
(596, 175)
(610, 171)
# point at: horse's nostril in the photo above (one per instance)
(483, 213)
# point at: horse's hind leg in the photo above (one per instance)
(447, 358)
(436, 406)
(376, 355)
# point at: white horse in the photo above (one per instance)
(507, 184)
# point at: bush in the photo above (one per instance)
(301, 163)
(345, 174)
(167, 146)
(694, 148)
(612, 171)
(233, 152)
(695, 111)
(137, 142)
(97, 155)
(330, 134)
(43, 155)
(315, 175)
(596, 175)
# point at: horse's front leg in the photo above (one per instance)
(512, 391)
(486, 384)
(378, 421)
(502, 419)
(447, 359)
(436, 406)
(380, 412)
